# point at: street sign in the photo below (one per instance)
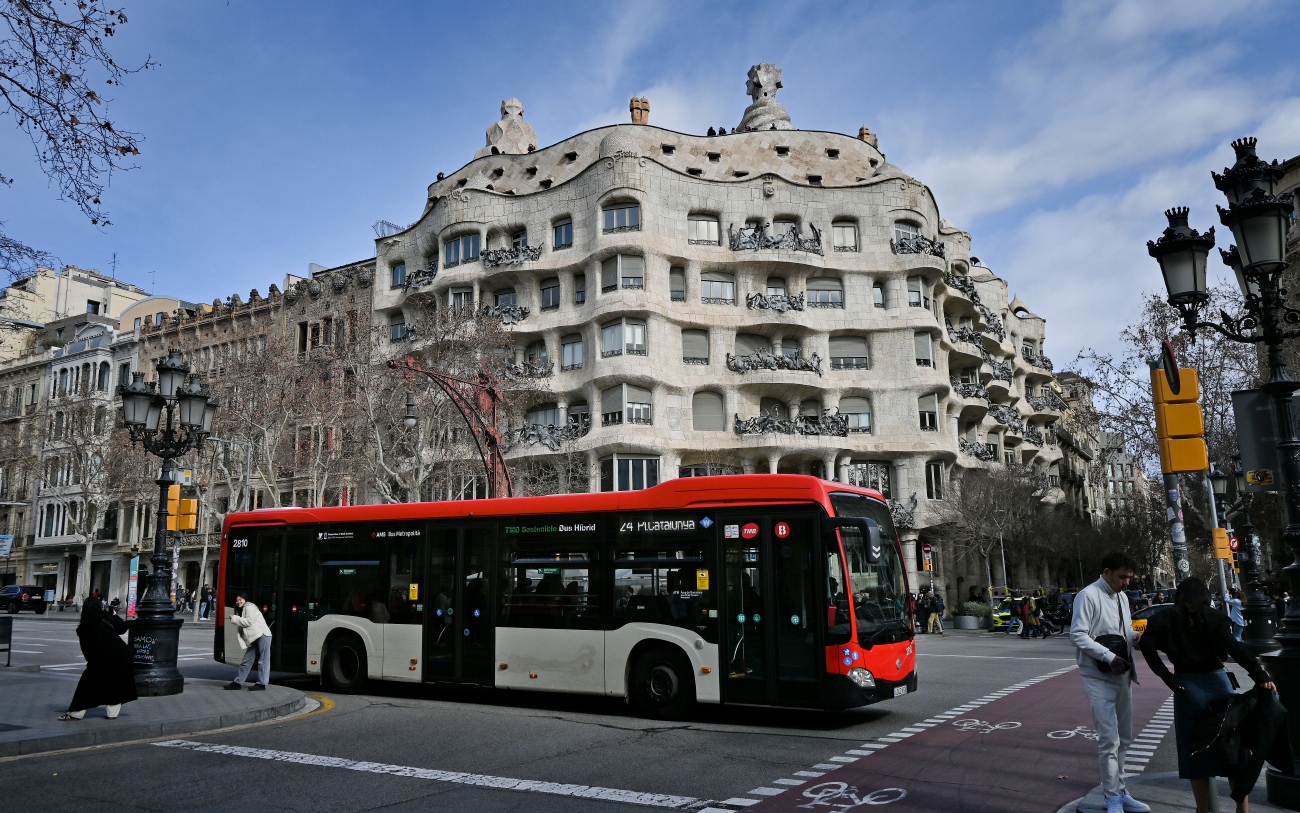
(926, 549)
(6, 545)
(1169, 362)
(1234, 543)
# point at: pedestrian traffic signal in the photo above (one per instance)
(1180, 426)
(1222, 547)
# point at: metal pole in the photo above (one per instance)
(1177, 536)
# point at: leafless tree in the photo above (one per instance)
(53, 56)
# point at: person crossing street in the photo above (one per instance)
(936, 614)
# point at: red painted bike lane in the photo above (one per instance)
(996, 756)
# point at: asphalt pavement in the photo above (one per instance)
(402, 747)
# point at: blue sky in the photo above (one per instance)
(276, 134)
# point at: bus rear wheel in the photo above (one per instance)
(344, 670)
(663, 684)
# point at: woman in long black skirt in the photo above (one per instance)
(108, 680)
(1197, 639)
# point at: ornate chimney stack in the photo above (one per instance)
(865, 134)
(640, 107)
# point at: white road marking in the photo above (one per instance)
(456, 777)
(740, 801)
(767, 791)
(26, 651)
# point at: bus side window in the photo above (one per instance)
(351, 579)
(665, 587)
(838, 618)
(551, 591)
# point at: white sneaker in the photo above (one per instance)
(1114, 804)
(1131, 805)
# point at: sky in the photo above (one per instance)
(276, 134)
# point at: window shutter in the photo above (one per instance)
(928, 403)
(716, 276)
(609, 272)
(855, 406)
(848, 347)
(695, 344)
(824, 284)
(637, 395)
(922, 341)
(611, 400)
(706, 412)
(749, 343)
(677, 280)
(633, 265)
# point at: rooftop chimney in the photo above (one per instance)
(640, 107)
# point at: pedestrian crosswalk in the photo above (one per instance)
(1145, 743)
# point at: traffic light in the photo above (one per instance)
(182, 515)
(1222, 548)
(1180, 427)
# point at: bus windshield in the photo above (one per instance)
(879, 590)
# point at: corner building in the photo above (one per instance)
(765, 300)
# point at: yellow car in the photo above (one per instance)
(1141, 617)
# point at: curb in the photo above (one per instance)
(31, 667)
(143, 731)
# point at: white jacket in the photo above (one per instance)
(1096, 613)
(251, 624)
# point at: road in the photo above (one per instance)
(975, 736)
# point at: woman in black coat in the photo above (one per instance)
(1197, 639)
(108, 680)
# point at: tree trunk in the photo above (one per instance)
(988, 574)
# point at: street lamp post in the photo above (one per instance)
(188, 409)
(1258, 612)
(1259, 219)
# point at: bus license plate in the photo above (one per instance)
(899, 691)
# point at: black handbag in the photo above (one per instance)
(1118, 646)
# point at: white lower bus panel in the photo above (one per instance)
(619, 644)
(550, 660)
(370, 633)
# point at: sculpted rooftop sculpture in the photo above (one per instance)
(766, 113)
(511, 135)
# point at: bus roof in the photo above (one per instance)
(682, 492)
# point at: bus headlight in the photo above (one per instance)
(862, 677)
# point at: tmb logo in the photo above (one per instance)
(750, 531)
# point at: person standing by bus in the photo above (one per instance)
(255, 638)
(1103, 637)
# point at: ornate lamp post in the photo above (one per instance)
(188, 409)
(1261, 619)
(1259, 219)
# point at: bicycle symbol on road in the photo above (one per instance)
(1065, 734)
(843, 796)
(981, 727)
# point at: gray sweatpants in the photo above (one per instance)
(1112, 716)
(260, 649)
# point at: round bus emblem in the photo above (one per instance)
(741, 618)
(749, 531)
(782, 530)
(794, 619)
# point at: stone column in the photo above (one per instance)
(772, 461)
(828, 466)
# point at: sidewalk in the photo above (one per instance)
(31, 701)
(1166, 793)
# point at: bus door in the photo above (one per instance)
(773, 617)
(459, 630)
(280, 591)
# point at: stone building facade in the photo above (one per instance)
(766, 300)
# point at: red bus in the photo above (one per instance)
(758, 589)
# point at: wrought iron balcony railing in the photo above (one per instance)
(549, 435)
(515, 255)
(917, 245)
(764, 360)
(508, 314)
(781, 303)
(835, 425)
(755, 238)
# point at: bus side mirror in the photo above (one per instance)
(870, 531)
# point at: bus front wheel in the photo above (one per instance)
(663, 684)
(345, 665)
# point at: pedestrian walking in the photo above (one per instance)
(108, 680)
(1234, 613)
(936, 614)
(255, 637)
(1103, 636)
(1197, 639)
(205, 605)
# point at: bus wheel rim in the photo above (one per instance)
(663, 683)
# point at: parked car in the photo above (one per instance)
(15, 597)
(1142, 616)
(1001, 615)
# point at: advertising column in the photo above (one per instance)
(133, 581)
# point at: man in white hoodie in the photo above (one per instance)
(1101, 609)
(255, 637)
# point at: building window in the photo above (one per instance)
(460, 250)
(543, 415)
(563, 232)
(627, 270)
(124, 373)
(626, 403)
(579, 414)
(398, 275)
(934, 480)
(706, 412)
(623, 336)
(858, 411)
(137, 323)
(790, 347)
(619, 473)
(695, 346)
(677, 284)
(397, 328)
(702, 230)
(519, 239)
(924, 349)
(460, 300)
(1009, 457)
(505, 298)
(848, 353)
(537, 354)
(871, 474)
(775, 286)
(579, 289)
(747, 344)
(918, 295)
(928, 407)
(878, 294)
(825, 292)
(708, 470)
(844, 236)
(550, 294)
(622, 217)
(905, 231)
(92, 306)
(717, 288)
(571, 352)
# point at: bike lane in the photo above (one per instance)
(994, 753)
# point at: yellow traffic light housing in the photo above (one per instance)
(188, 520)
(1180, 424)
(173, 506)
(1222, 550)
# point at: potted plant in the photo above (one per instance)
(972, 615)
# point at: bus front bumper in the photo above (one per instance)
(842, 693)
